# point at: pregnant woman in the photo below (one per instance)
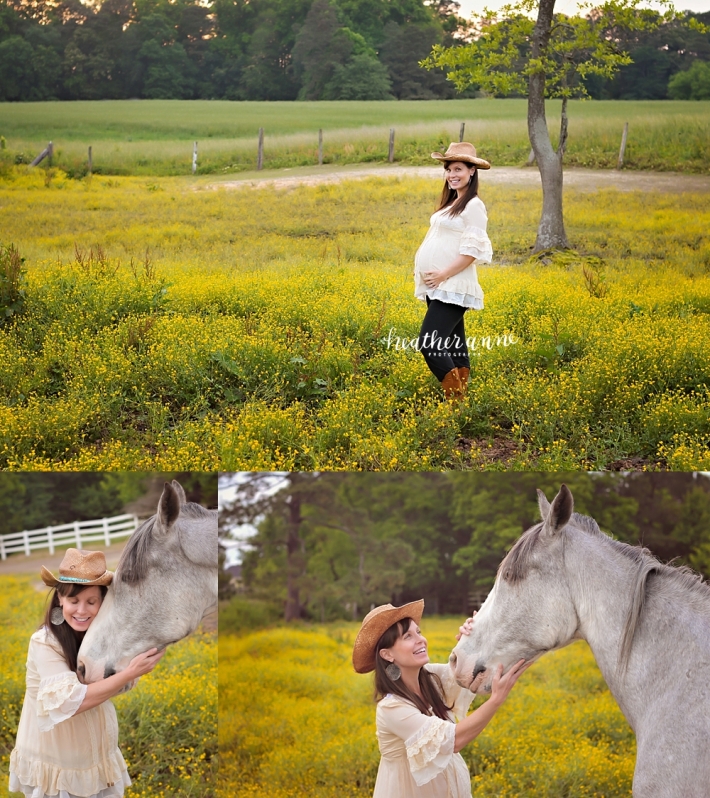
(67, 740)
(445, 268)
(418, 704)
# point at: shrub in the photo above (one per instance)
(692, 84)
(12, 282)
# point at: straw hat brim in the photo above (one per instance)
(479, 162)
(51, 580)
(375, 625)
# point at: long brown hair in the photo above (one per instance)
(449, 195)
(68, 639)
(431, 700)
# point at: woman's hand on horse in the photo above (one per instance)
(144, 663)
(503, 684)
(467, 626)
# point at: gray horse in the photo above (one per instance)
(648, 625)
(165, 583)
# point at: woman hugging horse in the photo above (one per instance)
(67, 739)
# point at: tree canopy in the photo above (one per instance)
(268, 50)
(357, 540)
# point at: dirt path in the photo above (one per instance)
(580, 179)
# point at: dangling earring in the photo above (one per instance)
(57, 616)
(393, 671)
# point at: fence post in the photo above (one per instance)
(26, 541)
(320, 147)
(194, 163)
(260, 154)
(77, 534)
(50, 539)
(47, 152)
(463, 125)
(90, 161)
(3, 553)
(107, 535)
(622, 149)
(391, 152)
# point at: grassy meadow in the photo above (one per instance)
(171, 328)
(155, 137)
(295, 719)
(167, 723)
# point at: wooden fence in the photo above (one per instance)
(76, 534)
(49, 150)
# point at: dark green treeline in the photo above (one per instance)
(331, 545)
(276, 50)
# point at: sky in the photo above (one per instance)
(570, 6)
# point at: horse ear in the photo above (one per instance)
(559, 512)
(543, 504)
(168, 507)
(177, 487)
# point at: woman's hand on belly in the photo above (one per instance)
(434, 279)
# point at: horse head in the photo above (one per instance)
(165, 582)
(529, 610)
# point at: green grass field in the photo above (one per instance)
(154, 137)
(261, 332)
(295, 719)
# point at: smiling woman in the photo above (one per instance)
(445, 268)
(55, 753)
(418, 706)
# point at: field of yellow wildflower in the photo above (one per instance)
(169, 326)
(167, 724)
(295, 719)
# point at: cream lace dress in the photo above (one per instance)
(58, 753)
(417, 751)
(448, 237)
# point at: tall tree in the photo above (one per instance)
(321, 45)
(549, 56)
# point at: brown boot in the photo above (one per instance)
(452, 385)
(463, 376)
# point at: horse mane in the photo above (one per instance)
(514, 567)
(133, 564)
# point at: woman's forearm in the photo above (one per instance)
(458, 264)
(472, 725)
(98, 692)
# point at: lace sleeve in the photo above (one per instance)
(58, 698)
(430, 749)
(475, 242)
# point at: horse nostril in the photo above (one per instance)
(480, 667)
(452, 660)
(81, 670)
(108, 671)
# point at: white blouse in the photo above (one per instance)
(59, 754)
(417, 750)
(446, 238)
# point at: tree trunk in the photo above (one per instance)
(294, 560)
(551, 230)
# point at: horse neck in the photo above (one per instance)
(602, 584)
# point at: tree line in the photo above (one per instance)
(36, 500)
(280, 50)
(329, 546)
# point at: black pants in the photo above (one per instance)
(442, 339)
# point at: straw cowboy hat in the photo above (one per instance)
(80, 568)
(374, 625)
(461, 151)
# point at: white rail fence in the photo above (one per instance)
(76, 534)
